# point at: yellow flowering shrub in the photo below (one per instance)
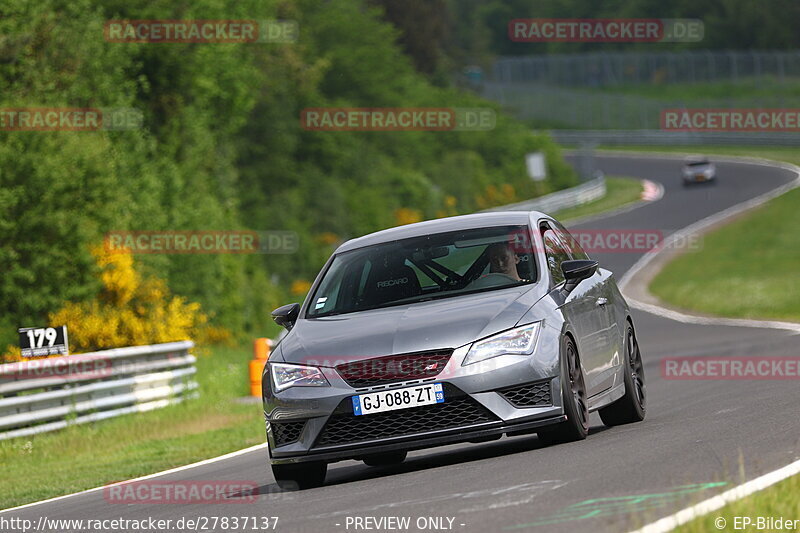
(11, 355)
(449, 209)
(406, 215)
(493, 196)
(300, 286)
(328, 238)
(129, 311)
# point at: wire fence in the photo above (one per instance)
(628, 91)
(562, 107)
(616, 68)
(592, 138)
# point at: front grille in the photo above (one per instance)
(346, 428)
(286, 432)
(528, 395)
(394, 368)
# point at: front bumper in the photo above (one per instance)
(317, 424)
(416, 442)
(698, 178)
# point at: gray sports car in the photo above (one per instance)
(461, 329)
(698, 170)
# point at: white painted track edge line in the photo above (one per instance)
(142, 478)
(700, 225)
(620, 210)
(714, 503)
(717, 502)
(660, 311)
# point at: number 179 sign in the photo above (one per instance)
(41, 342)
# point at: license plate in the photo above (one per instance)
(391, 400)
(700, 177)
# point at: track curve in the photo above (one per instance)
(617, 479)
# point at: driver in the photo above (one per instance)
(503, 260)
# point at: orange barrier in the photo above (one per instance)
(260, 355)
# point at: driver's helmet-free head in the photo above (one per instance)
(501, 257)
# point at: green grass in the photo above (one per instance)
(89, 455)
(638, 105)
(619, 192)
(748, 268)
(779, 500)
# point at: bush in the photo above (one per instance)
(130, 310)
(222, 148)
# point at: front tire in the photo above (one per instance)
(300, 476)
(633, 406)
(573, 393)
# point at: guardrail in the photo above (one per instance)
(675, 138)
(550, 203)
(40, 395)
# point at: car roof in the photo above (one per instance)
(441, 225)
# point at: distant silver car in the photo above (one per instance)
(698, 170)
(460, 329)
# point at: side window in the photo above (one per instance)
(571, 243)
(555, 252)
(424, 280)
(331, 292)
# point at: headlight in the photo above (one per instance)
(519, 341)
(285, 376)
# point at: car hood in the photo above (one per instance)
(433, 325)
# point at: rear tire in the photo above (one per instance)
(385, 459)
(573, 393)
(300, 476)
(633, 406)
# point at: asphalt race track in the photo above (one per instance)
(697, 434)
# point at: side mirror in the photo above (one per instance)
(286, 315)
(577, 270)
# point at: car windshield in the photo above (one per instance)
(697, 163)
(425, 268)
